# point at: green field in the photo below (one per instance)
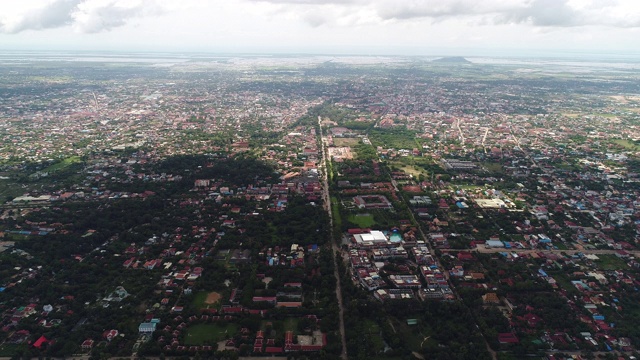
(611, 262)
(492, 167)
(346, 141)
(63, 164)
(9, 189)
(209, 334)
(362, 220)
(291, 324)
(627, 144)
(372, 330)
(11, 350)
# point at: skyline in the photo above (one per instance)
(455, 27)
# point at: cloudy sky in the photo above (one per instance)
(421, 27)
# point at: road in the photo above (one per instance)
(483, 250)
(327, 206)
(426, 240)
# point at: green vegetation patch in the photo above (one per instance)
(611, 262)
(627, 144)
(291, 324)
(206, 299)
(9, 190)
(362, 220)
(416, 338)
(393, 138)
(11, 350)
(372, 331)
(62, 165)
(335, 212)
(346, 141)
(493, 167)
(209, 334)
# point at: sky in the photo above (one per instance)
(368, 27)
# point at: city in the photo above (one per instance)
(384, 207)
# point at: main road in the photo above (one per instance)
(326, 199)
(485, 250)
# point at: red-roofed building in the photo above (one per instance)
(507, 338)
(110, 334)
(87, 344)
(273, 350)
(41, 341)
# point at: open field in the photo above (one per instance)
(611, 262)
(627, 144)
(362, 220)
(492, 167)
(373, 332)
(209, 334)
(204, 300)
(345, 141)
(63, 164)
(411, 170)
(291, 324)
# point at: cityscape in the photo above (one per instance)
(319, 180)
(216, 208)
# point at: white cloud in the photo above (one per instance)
(321, 25)
(49, 15)
(89, 16)
(103, 15)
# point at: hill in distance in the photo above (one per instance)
(452, 60)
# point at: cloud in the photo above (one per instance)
(87, 16)
(548, 13)
(99, 16)
(440, 9)
(308, 2)
(537, 13)
(52, 15)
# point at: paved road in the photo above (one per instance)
(327, 206)
(483, 250)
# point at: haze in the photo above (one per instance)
(417, 27)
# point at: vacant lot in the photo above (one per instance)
(209, 334)
(205, 300)
(345, 141)
(363, 220)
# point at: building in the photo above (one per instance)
(147, 328)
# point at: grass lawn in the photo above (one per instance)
(291, 324)
(209, 334)
(413, 335)
(63, 164)
(363, 220)
(335, 212)
(373, 332)
(564, 282)
(10, 350)
(627, 144)
(492, 167)
(414, 170)
(9, 188)
(560, 245)
(346, 141)
(17, 237)
(611, 262)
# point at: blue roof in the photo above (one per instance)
(542, 272)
